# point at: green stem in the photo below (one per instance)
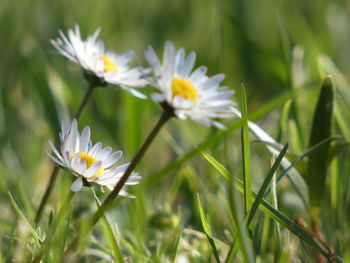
(86, 98)
(56, 168)
(107, 203)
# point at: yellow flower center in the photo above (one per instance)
(184, 88)
(89, 160)
(109, 65)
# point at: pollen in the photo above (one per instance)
(184, 88)
(89, 160)
(109, 65)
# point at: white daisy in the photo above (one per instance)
(88, 162)
(193, 95)
(107, 66)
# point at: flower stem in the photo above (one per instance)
(86, 98)
(46, 195)
(107, 203)
(56, 168)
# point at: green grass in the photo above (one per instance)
(208, 195)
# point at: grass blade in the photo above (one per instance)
(284, 120)
(295, 176)
(110, 234)
(239, 227)
(321, 129)
(246, 155)
(305, 154)
(232, 253)
(279, 217)
(24, 218)
(265, 184)
(218, 166)
(207, 229)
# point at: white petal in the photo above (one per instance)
(74, 137)
(125, 194)
(198, 73)
(89, 146)
(93, 169)
(187, 64)
(122, 59)
(94, 37)
(60, 163)
(95, 149)
(66, 158)
(103, 154)
(78, 165)
(179, 59)
(109, 173)
(181, 103)
(120, 169)
(158, 97)
(219, 125)
(181, 114)
(133, 179)
(84, 139)
(113, 158)
(135, 93)
(55, 151)
(64, 128)
(152, 59)
(213, 81)
(77, 185)
(169, 54)
(168, 61)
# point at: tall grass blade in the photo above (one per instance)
(284, 120)
(246, 154)
(231, 255)
(265, 184)
(279, 217)
(110, 234)
(36, 236)
(318, 163)
(239, 227)
(218, 166)
(207, 229)
(295, 176)
(305, 154)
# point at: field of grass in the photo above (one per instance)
(274, 186)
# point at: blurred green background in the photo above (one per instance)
(274, 46)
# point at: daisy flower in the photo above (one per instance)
(105, 66)
(89, 163)
(193, 95)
